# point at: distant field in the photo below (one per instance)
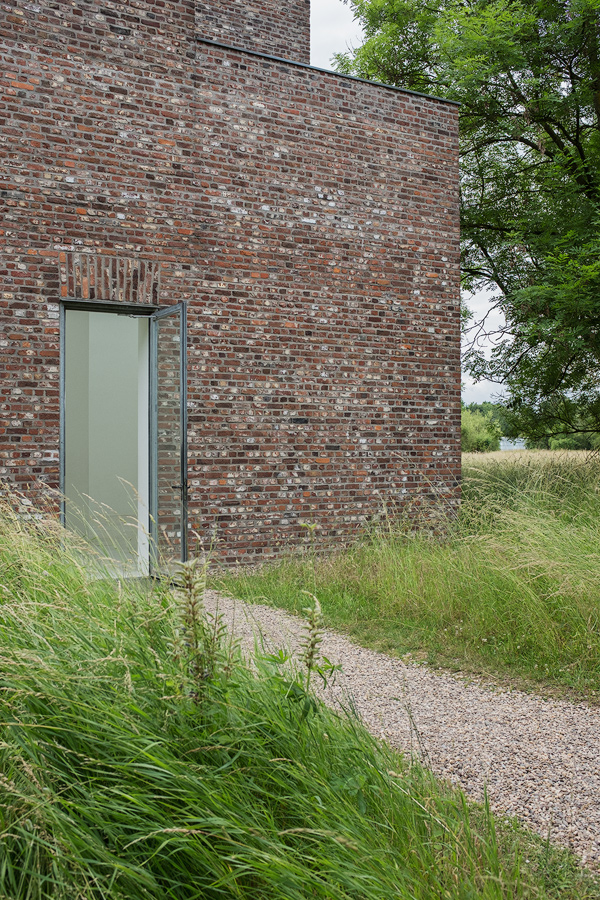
(529, 456)
(512, 590)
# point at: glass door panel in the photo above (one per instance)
(104, 456)
(168, 437)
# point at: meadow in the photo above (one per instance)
(510, 590)
(141, 757)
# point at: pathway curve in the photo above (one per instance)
(540, 759)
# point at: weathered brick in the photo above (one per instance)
(309, 220)
(266, 26)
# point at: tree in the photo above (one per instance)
(553, 360)
(478, 432)
(527, 75)
(493, 411)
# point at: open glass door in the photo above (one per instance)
(168, 438)
(104, 455)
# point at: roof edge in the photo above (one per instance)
(301, 65)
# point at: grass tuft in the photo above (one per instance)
(513, 590)
(141, 758)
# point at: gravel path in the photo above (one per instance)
(539, 758)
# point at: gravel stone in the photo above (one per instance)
(538, 759)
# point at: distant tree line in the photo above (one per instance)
(483, 424)
(481, 427)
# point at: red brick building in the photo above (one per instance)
(161, 159)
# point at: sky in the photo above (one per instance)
(333, 29)
(481, 306)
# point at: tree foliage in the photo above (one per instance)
(479, 433)
(527, 76)
(494, 411)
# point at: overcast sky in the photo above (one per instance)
(482, 307)
(333, 30)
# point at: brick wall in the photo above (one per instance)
(276, 27)
(152, 35)
(156, 34)
(311, 223)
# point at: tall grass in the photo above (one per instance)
(512, 589)
(140, 758)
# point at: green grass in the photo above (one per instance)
(140, 758)
(512, 590)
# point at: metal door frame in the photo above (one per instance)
(153, 313)
(107, 306)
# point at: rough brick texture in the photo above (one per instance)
(309, 220)
(277, 27)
